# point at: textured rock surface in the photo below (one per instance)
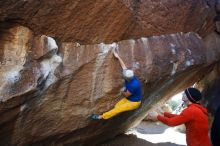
(217, 6)
(50, 86)
(55, 93)
(23, 77)
(210, 83)
(93, 21)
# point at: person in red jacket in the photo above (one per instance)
(195, 118)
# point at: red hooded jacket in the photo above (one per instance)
(195, 118)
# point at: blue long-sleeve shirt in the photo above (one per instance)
(134, 87)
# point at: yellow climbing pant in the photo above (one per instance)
(122, 106)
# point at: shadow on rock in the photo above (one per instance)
(132, 140)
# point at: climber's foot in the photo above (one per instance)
(95, 117)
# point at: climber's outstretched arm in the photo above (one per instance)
(120, 60)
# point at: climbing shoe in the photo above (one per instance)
(95, 117)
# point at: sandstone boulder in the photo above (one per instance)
(89, 21)
(60, 86)
(57, 66)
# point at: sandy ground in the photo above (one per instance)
(149, 134)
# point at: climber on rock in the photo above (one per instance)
(195, 118)
(132, 94)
